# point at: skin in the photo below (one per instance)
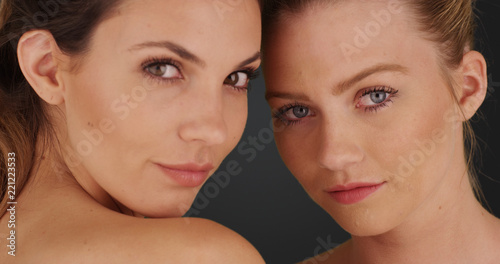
(426, 213)
(189, 113)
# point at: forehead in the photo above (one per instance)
(192, 24)
(346, 37)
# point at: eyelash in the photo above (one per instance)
(375, 108)
(280, 113)
(160, 61)
(252, 73)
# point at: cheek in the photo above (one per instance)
(417, 152)
(235, 116)
(298, 155)
(89, 115)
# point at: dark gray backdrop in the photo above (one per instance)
(254, 194)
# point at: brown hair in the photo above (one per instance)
(23, 115)
(449, 23)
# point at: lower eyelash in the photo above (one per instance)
(160, 60)
(375, 108)
(279, 114)
(157, 80)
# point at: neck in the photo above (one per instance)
(53, 172)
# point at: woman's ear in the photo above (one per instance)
(475, 83)
(38, 55)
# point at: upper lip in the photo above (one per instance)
(191, 167)
(352, 186)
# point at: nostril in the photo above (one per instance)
(211, 132)
(339, 156)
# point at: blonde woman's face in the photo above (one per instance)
(363, 117)
(159, 100)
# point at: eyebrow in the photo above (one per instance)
(185, 54)
(253, 58)
(291, 96)
(175, 48)
(344, 85)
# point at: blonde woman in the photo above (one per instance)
(371, 101)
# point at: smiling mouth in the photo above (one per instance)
(353, 193)
(187, 175)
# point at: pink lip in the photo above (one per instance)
(354, 192)
(187, 175)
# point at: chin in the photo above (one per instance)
(362, 220)
(167, 212)
(365, 230)
(165, 209)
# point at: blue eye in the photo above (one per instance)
(292, 113)
(378, 97)
(300, 111)
(375, 98)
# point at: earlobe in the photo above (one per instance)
(475, 83)
(37, 54)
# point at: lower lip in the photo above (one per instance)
(186, 178)
(355, 195)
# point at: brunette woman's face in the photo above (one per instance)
(363, 117)
(160, 99)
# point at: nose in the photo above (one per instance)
(338, 147)
(204, 121)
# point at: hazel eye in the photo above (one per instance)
(237, 79)
(164, 70)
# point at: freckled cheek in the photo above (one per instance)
(418, 159)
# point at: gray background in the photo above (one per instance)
(259, 198)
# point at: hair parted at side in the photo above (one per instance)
(23, 115)
(450, 24)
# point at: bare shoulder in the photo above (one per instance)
(179, 240)
(123, 239)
